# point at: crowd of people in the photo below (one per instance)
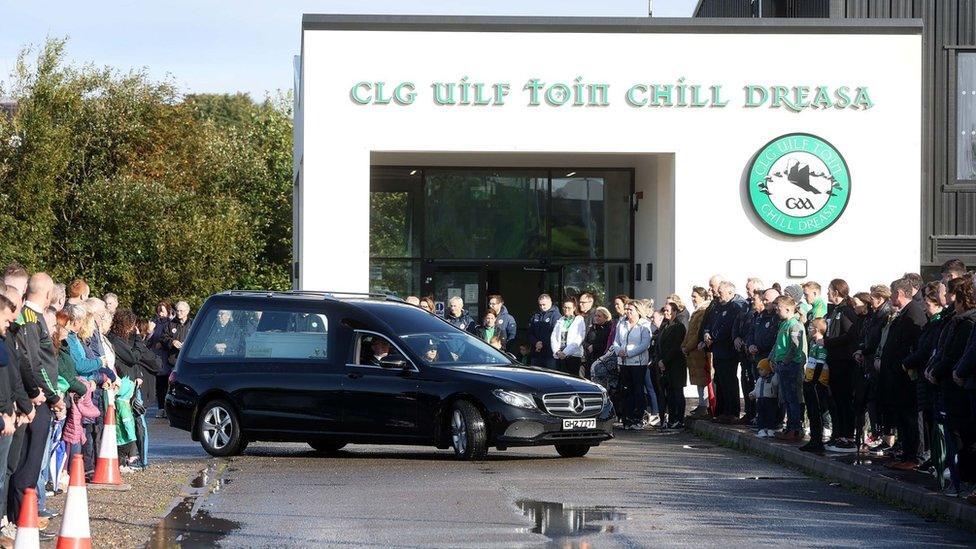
(65, 357)
(888, 371)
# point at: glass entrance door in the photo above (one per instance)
(468, 283)
(519, 285)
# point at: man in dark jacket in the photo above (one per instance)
(225, 337)
(540, 329)
(179, 328)
(898, 340)
(456, 316)
(720, 341)
(749, 320)
(8, 398)
(39, 362)
(505, 322)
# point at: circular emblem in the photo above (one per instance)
(799, 184)
(577, 404)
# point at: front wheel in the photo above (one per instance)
(572, 450)
(220, 430)
(469, 436)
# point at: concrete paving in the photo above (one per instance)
(642, 489)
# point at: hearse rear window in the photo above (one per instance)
(268, 333)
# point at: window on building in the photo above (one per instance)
(591, 215)
(966, 116)
(251, 333)
(485, 214)
(395, 206)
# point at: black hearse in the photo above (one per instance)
(331, 369)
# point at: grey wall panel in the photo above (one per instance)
(857, 8)
(724, 8)
(967, 22)
(902, 8)
(946, 225)
(966, 214)
(879, 8)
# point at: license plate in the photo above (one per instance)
(571, 424)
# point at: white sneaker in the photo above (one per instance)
(655, 420)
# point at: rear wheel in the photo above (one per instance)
(572, 450)
(469, 436)
(326, 446)
(219, 429)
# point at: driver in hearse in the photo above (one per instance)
(381, 349)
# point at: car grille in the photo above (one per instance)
(565, 404)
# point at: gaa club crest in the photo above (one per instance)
(799, 184)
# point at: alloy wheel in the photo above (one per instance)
(217, 427)
(459, 432)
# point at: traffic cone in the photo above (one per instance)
(107, 464)
(27, 532)
(75, 532)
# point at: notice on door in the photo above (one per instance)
(470, 293)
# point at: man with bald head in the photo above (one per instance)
(39, 370)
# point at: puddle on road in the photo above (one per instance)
(186, 525)
(562, 524)
(771, 478)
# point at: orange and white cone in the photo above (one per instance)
(75, 531)
(107, 465)
(27, 532)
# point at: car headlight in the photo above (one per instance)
(519, 400)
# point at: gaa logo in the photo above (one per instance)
(799, 203)
(799, 184)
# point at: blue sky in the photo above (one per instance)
(241, 45)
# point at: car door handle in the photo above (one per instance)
(354, 375)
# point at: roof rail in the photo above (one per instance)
(323, 294)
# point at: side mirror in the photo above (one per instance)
(393, 363)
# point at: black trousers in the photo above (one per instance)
(30, 460)
(635, 398)
(726, 387)
(905, 416)
(162, 385)
(843, 380)
(571, 365)
(815, 395)
(677, 377)
(748, 382)
(13, 460)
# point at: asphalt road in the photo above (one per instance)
(639, 490)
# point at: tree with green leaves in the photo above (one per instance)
(120, 180)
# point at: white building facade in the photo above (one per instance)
(472, 156)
